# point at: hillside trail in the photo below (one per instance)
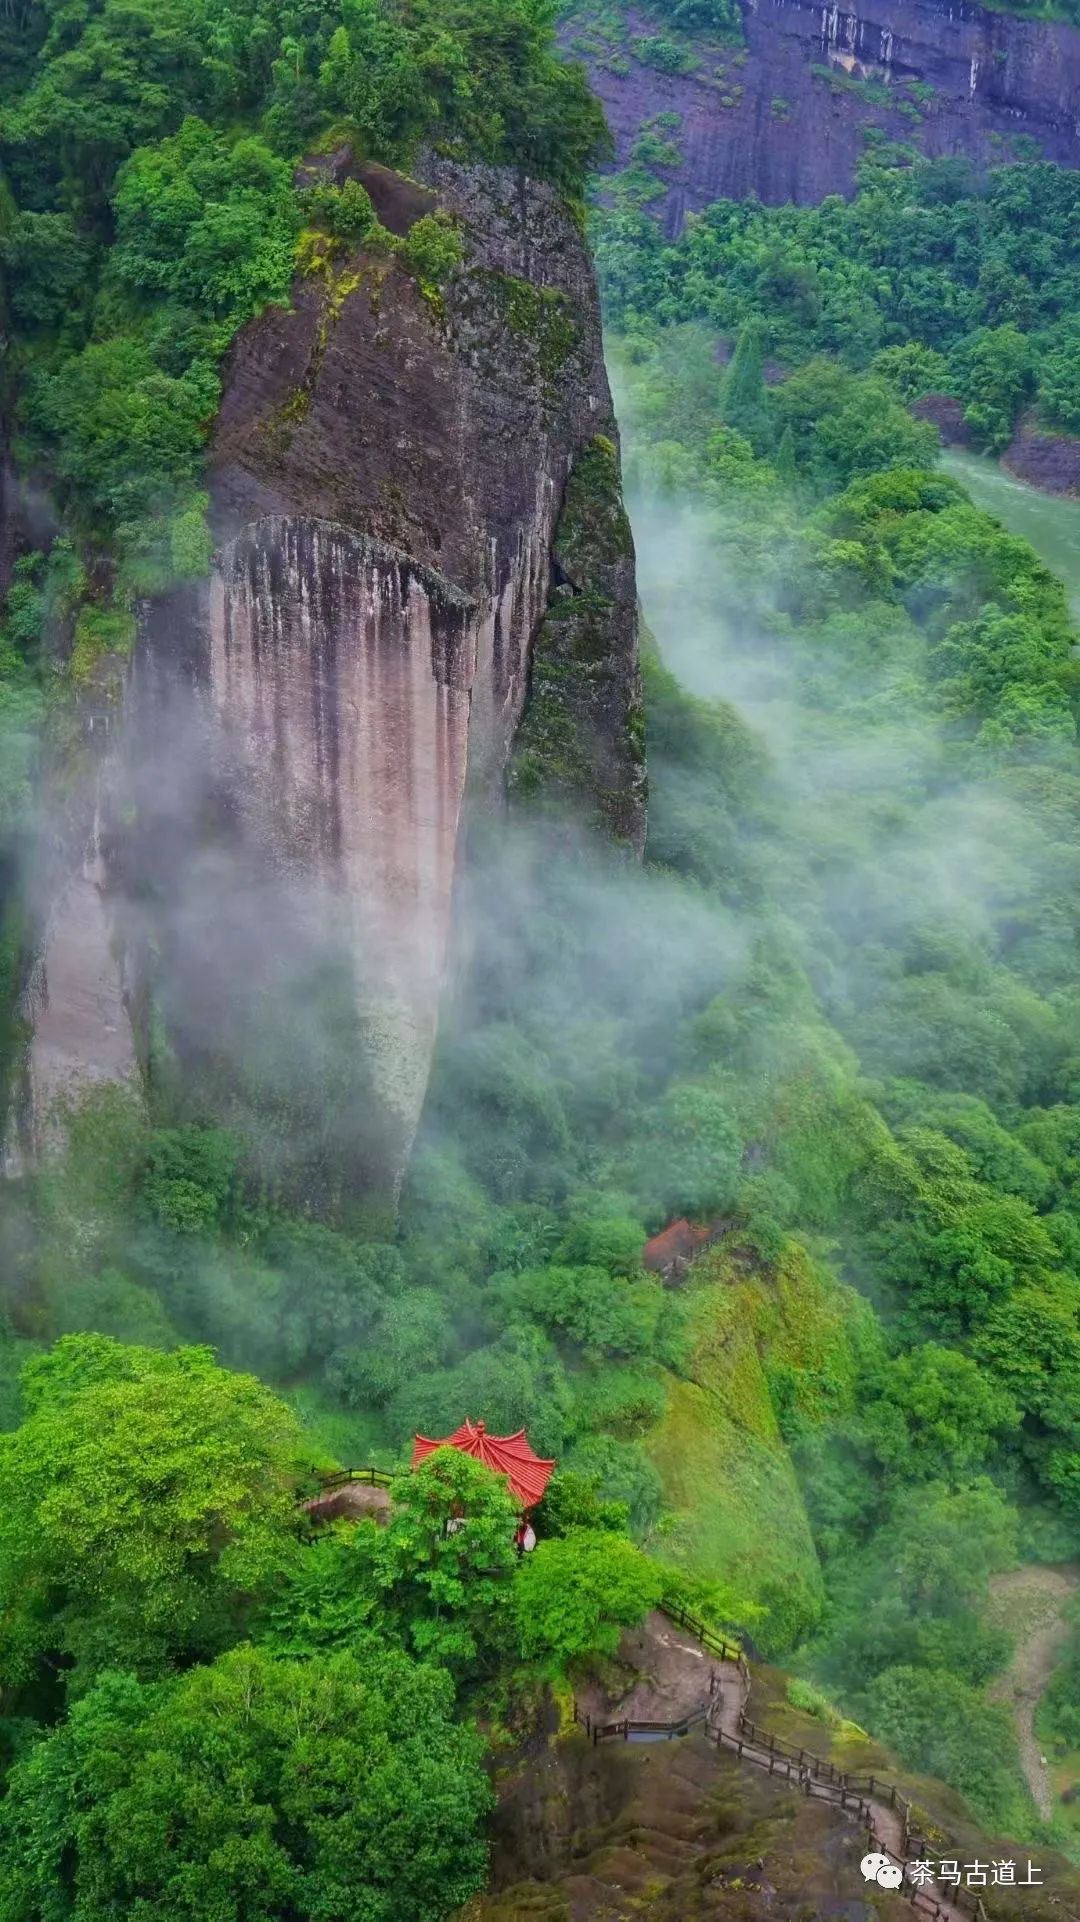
(677, 1677)
(1037, 1599)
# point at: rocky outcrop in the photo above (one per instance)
(785, 117)
(1035, 454)
(947, 414)
(75, 1004)
(1046, 460)
(305, 730)
(674, 1831)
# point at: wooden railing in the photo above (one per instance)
(710, 1638)
(816, 1777)
(339, 1477)
(870, 1785)
(813, 1776)
(628, 1730)
(928, 1904)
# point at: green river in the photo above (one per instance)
(1050, 522)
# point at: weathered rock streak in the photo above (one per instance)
(342, 682)
(769, 124)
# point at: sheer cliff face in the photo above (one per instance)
(761, 120)
(302, 733)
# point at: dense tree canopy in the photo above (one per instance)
(252, 1788)
(146, 1498)
(832, 1020)
(937, 282)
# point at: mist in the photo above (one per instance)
(873, 834)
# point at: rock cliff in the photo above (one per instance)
(392, 466)
(785, 117)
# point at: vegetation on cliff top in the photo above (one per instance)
(149, 206)
(148, 210)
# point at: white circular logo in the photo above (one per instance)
(872, 1865)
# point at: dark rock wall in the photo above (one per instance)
(994, 76)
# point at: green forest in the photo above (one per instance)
(936, 280)
(833, 1016)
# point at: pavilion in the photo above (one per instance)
(526, 1473)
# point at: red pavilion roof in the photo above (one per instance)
(510, 1455)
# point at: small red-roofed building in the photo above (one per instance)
(527, 1474)
(675, 1245)
(670, 1253)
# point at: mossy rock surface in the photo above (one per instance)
(672, 1832)
(758, 1338)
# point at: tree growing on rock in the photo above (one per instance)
(577, 1592)
(744, 405)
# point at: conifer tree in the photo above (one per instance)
(785, 463)
(744, 404)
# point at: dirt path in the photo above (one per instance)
(1032, 1603)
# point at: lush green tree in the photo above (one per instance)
(575, 1594)
(47, 263)
(433, 249)
(940, 1416)
(627, 1481)
(599, 1313)
(442, 1564)
(483, 78)
(105, 83)
(916, 1591)
(786, 464)
(691, 1162)
(122, 438)
(255, 1787)
(409, 1335)
(207, 221)
(518, 1380)
(994, 373)
(190, 1176)
(1059, 385)
(613, 1242)
(148, 1499)
(911, 370)
(942, 1726)
(844, 425)
(571, 1500)
(346, 212)
(1061, 1703)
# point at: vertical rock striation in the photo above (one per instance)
(329, 739)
